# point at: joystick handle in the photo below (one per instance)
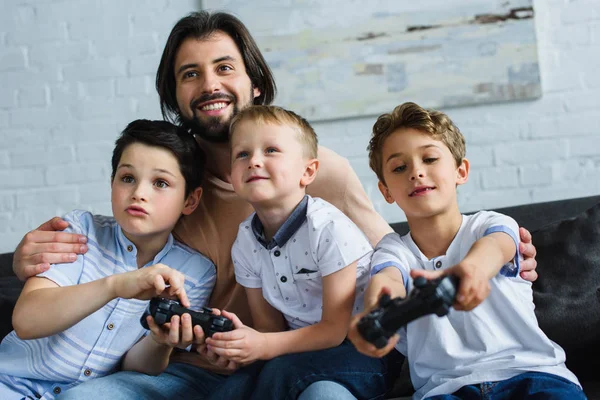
(427, 297)
(162, 310)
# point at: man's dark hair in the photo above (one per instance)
(200, 25)
(164, 134)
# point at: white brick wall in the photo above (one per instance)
(73, 73)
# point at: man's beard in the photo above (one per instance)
(213, 129)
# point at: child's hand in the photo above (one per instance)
(356, 338)
(474, 283)
(242, 345)
(176, 333)
(147, 282)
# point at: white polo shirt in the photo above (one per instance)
(497, 340)
(315, 241)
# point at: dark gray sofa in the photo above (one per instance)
(566, 234)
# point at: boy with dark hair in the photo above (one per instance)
(496, 349)
(77, 322)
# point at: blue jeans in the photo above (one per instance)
(529, 385)
(286, 377)
(182, 381)
(178, 381)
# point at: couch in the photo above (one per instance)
(566, 234)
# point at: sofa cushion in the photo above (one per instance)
(567, 291)
(10, 287)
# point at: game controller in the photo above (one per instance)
(163, 309)
(427, 297)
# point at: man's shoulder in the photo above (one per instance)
(331, 163)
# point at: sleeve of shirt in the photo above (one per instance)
(493, 222)
(338, 184)
(199, 289)
(391, 252)
(339, 243)
(245, 274)
(68, 274)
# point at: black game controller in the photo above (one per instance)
(427, 297)
(163, 309)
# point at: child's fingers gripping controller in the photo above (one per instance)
(162, 310)
(427, 297)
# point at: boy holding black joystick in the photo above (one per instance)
(490, 342)
(80, 321)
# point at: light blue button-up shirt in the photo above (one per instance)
(95, 346)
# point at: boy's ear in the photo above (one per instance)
(462, 172)
(310, 173)
(385, 192)
(192, 201)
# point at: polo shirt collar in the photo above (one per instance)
(285, 231)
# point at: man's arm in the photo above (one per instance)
(338, 184)
(45, 245)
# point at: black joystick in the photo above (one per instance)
(163, 309)
(427, 297)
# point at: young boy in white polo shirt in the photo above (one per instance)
(79, 321)
(490, 343)
(303, 263)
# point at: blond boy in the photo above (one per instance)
(301, 261)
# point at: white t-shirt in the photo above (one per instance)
(497, 340)
(315, 241)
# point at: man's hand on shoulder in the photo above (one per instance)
(46, 245)
(527, 249)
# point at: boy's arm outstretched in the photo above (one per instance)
(483, 261)
(387, 281)
(44, 308)
(245, 345)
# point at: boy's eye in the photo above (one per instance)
(400, 168)
(127, 179)
(430, 160)
(242, 154)
(161, 184)
(271, 150)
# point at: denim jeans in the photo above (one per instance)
(286, 377)
(529, 385)
(178, 381)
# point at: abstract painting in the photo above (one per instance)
(348, 58)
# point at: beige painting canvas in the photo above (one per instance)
(346, 58)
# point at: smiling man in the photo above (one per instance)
(210, 69)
